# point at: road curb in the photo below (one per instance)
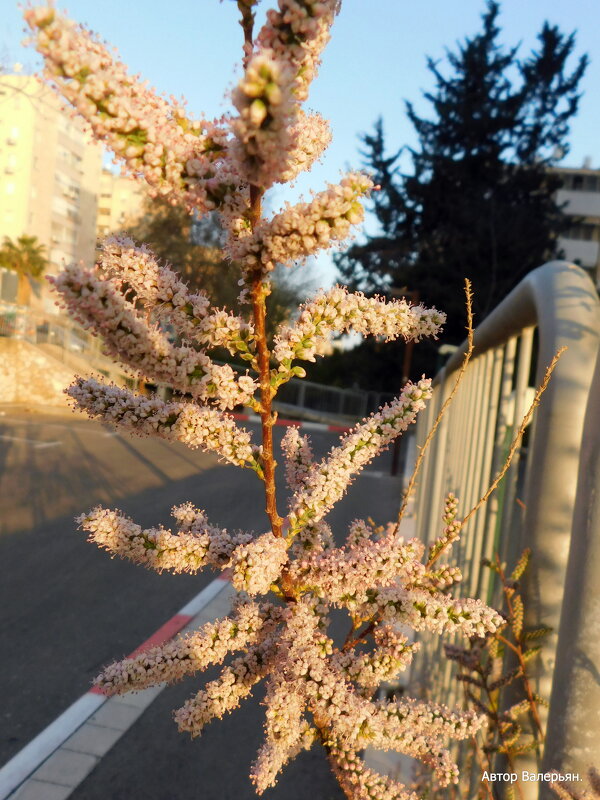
(53, 764)
(296, 423)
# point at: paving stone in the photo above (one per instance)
(95, 740)
(66, 768)
(40, 790)
(139, 699)
(115, 714)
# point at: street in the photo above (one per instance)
(68, 609)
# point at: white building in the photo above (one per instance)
(121, 203)
(50, 172)
(581, 194)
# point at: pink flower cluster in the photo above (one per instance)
(266, 107)
(287, 733)
(347, 575)
(256, 563)
(451, 530)
(298, 457)
(316, 537)
(310, 677)
(100, 306)
(274, 140)
(196, 545)
(151, 136)
(328, 480)
(194, 426)
(307, 677)
(161, 291)
(235, 683)
(296, 34)
(310, 137)
(250, 624)
(359, 532)
(362, 783)
(338, 311)
(424, 610)
(302, 230)
(392, 655)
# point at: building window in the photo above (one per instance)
(583, 232)
(9, 285)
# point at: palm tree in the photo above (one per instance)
(26, 257)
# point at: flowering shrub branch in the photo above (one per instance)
(316, 691)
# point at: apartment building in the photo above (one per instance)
(120, 203)
(580, 193)
(50, 174)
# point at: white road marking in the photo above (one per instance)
(315, 426)
(202, 599)
(34, 442)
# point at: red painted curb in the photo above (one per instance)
(165, 632)
(295, 423)
(97, 690)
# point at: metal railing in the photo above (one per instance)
(535, 506)
(316, 399)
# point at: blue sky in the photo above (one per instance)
(375, 60)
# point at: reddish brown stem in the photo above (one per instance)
(266, 396)
(259, 291)
(247, 23)
(353, 642)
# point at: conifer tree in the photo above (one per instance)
(479, 201)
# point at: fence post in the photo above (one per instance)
(301, 395)
(573, 735)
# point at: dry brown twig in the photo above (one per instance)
(515, 442)
(447, 401)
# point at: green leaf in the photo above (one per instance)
(518, 709)
(521, 565)
(531, 653)
(517, 616)
(538, 633)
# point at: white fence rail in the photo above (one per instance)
(535, 505)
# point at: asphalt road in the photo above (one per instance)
(66, 608)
